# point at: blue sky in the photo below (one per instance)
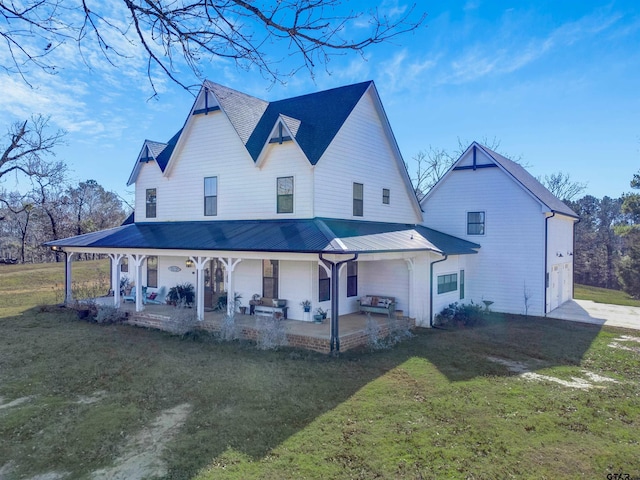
(557, 82)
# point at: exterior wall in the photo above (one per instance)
(211, 147)
(385, 277)
(361, 153)
(453, 264)
(511, 257)
(559, 260)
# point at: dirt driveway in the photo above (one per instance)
(587, 311)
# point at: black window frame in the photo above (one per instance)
(461, 284)
(476, 226)
(211, 201)
(324, 285)
(152, 271)
(270, 277)
(352, 279)
(284, 199)
(358, 199)
(386, 196)
(151, 200)
(447, 283)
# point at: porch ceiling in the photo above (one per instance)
(292, 235)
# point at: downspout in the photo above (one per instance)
(546, 259)
(431, 287)
(334, 340)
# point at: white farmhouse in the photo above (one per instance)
(308, 198)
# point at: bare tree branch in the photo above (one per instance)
(196, 31)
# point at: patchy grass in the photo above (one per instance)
(435, 406)
(604, 295)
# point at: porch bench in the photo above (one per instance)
(377, 304)
(269, 306)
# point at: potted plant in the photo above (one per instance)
(322, 313)
(181, 293)
(306, 305)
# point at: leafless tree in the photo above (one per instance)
(196, 31)
(27, 151)
(562, 186)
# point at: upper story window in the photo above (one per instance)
(151, 203)
(285, 194)
(358, 200)
(447, 283)
(211, 196)
(475, 223)
(386, 193)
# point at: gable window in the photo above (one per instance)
(152, 272)
(324, 285)
(385, 196)
(211, 196)
(151, 203)
(358, 200)
(270, 278)
(285, 194)
(475, 223)
(447, 283)
(352, 279)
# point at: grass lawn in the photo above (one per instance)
(604, 295)
(75, 398)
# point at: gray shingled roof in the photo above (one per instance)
(294, 235)
(530, 183)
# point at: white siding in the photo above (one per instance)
(361, 153)
(511, 257)
(211, 147)
(385, 277)
(559, 260)
(453, 264)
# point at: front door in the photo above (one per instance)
(214, 276)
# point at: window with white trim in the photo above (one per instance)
(475, 223)
(151, 202)
(358, 199)
(285, 194)
(447, 283)
(210, 196)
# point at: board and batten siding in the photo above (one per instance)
(361, 153)
(510, 261)
(212, 148)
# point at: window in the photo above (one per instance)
(475, 223)
(352, 279)
(324, 284)
(211, 196)
(358, 199)
(151, 203)
(385, 196)
(124, 265)
(461, 284)
(447, 283)
(285, 194)
(270, 278)
(152, 272)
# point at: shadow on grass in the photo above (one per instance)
(243, 399)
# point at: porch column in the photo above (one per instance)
(410, 267)
(138, 260)
(115, 277)
(68, 297)
(229, 267)
(200, 263)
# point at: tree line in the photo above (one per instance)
(45, 204)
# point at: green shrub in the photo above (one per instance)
(466, 314)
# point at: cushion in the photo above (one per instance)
(365, 301)
(383, 302)
(374, 301)
(153, 296)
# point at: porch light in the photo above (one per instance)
(56, 248)
(189, 263)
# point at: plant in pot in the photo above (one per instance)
(181, 293)
(322, 313)
(306, 305)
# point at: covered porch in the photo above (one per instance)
(300, 334)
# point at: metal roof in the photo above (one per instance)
(293, 235)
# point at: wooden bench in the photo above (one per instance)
(377, 304)
(267, 306)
